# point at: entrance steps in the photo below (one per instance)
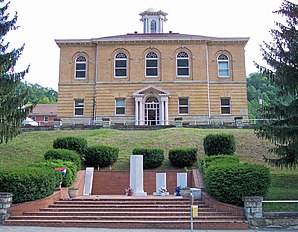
(128, 212)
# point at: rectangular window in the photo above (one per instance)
(182, 67)
(46, 118)
(225, 105)
(183, 105)
(80, 71)
(120, 68)
(223, 69)
(79, 107)
(120, 106)
(151, 68)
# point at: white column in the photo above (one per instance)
(142, 119)
(162, 115)
(136, 112)
(164, 103)
(166, 112)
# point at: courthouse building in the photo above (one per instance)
(151, 78)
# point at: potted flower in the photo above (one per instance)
(129, 191)
(73, 192)
(162, 191)
(185, 192)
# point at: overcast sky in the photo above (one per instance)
(42, 21)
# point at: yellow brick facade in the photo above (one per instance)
(203, 88)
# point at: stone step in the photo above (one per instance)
(131, 213)
(125, 217)
(122, 209)
(144, 202)
(160, 224)
(121, 206)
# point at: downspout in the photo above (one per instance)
(94, 91)
(208, 83)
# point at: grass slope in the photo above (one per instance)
(31, 146)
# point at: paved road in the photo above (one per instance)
(68, 229)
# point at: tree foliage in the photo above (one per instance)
(281, 56)
(13, 108)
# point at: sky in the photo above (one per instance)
(42, 21)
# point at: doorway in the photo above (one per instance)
(152, 111)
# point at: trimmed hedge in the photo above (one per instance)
(230, 182)
(30, 183)
(152, 157)
(207, 161)
(63, 154)
(183, 156)
(100, 156)
(71, 170)
(77, 144)
(216, 144)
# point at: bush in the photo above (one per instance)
(77, 144)
(30, 183)
(216, 144)
(230, 182)
(183, 156)
(152, 157)
(63, 154)
(71, 170)
(207, 161)
(101, 156)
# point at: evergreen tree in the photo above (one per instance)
(281, 56)
(13, 107)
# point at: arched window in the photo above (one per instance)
(81, 67)
(223, 66)
(151, 65)
(182, 64)
(153, 26)
(120, 65)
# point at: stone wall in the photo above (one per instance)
(5, 204)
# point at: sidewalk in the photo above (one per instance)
(70, 229)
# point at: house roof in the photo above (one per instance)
(44, 109)
(149, 37)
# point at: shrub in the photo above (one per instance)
(77, 144)
(207, 161)
(183, 156)
(216, 144)
(63, 154)
(152, 157)
(101, 155)
(230, 182)
(71, 170)
(30, 183)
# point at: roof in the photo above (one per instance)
(149, 37)
(45, 109)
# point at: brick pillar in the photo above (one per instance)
(253, 207)
(5, 204)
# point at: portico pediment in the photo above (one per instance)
(151, 89)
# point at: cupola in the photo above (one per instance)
(153, 20)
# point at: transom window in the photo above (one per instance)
(183, 105)
(223, 66)
(225, 105)
(121, 65)
(151, 65)
(120, 106)
(81, 64)
(182, 64)
(79, 107)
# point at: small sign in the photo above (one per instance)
(62, 170)
(195, 211)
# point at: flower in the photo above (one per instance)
(129, 191)
(162, 189)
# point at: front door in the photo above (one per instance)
(152, 111)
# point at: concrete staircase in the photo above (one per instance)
(128, 212)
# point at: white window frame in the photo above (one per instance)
(79, 106)
(46, 119)
(157, 68)
(183, 106)
(120, 68)
(182, 67)
(120, 107)
(223, 59)
(80, 60)
(225, 106)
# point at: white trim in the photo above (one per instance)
(183, 105)
(120, 106)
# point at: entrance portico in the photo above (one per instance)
(151, 106)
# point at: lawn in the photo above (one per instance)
(29, 147)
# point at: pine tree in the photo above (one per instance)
(281, 56)
(13, 108)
